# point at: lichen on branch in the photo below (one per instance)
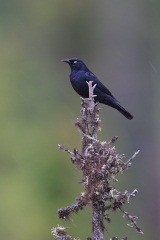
(100, 165)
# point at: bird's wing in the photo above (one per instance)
(91, 77)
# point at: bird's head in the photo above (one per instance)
(76, 64)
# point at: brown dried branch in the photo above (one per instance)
(60, 233)
(100, 165)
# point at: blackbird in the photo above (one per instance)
(80, 75)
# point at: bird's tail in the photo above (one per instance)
(124, 111)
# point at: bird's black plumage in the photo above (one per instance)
(79, 77)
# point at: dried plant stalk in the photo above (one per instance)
(100, 165)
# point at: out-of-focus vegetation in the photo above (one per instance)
(119, 41)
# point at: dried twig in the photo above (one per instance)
(100, 165)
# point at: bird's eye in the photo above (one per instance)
(75, 61)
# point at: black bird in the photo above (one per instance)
(79, 77)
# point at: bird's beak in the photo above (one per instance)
(66, 60)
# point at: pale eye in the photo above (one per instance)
(75, 61)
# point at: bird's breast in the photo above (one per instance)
(79, 83)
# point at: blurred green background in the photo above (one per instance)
(120, 42)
